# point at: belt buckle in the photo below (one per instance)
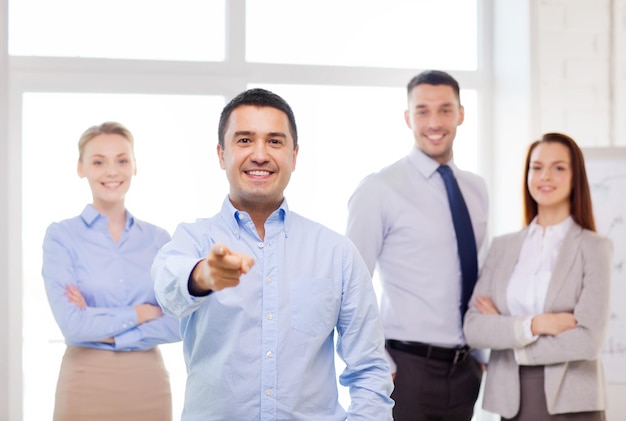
(460, 355)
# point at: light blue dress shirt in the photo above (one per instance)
(111, 277)
(264, 350)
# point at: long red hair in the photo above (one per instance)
(581, 208)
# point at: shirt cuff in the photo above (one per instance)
(520, 355)
(126, 340)
(527, 330)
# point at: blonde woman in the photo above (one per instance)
(96, 268)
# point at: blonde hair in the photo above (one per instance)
(109, 127)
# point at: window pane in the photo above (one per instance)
(137, 29)
(178, 179)
(346, 133)
(392, 33)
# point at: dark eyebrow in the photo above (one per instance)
(552, 163)
(243, 133)
(277, 134)
(445, 104)
(251, 133)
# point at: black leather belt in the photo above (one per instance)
(451, 355)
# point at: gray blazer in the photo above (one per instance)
(580, 283)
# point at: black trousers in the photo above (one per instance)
(427, 389)
(533, 405)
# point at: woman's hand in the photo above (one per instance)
(485, 305)
(75, 296)
(552, 323)
(147, 312)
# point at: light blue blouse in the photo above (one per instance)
(112, 278)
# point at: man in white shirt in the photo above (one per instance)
(400, 220)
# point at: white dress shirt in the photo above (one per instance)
(400, 220)
(526, 293)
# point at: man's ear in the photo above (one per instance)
(220, 155)
(295, 156)
(79, 169)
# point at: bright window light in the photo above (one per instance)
(416, 34)
(137, 29)
(178, 179)
(346, 133)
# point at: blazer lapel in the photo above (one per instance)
(510, 256)
(564, 263)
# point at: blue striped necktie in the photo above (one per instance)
(466, 242)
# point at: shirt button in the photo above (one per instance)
(269, 280)
(260, 245)
(268, 392)
(269, 354)
(270, 316)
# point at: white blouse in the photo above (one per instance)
(528, 286)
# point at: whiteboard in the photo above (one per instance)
(606, 169)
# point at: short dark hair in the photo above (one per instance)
(257, 97)
(581, 207)
(434, 77)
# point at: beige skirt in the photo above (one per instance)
(104, 385)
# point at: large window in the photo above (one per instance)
(137, 29)
(390, 33)
(169, 66)
(176, 159)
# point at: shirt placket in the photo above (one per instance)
(269, 329)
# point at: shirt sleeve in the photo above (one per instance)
(362, 345)
(171, 269)
(91, 324)
(165, 329)
(366, 222)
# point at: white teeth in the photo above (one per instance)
(260, 173)
(435, 136)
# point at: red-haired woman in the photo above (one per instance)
(542, 301)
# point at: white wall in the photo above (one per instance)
(581, 68)
(4, 241)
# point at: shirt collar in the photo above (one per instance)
(90, 215)
(233, 216)
(425, 164)
(558, 231)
